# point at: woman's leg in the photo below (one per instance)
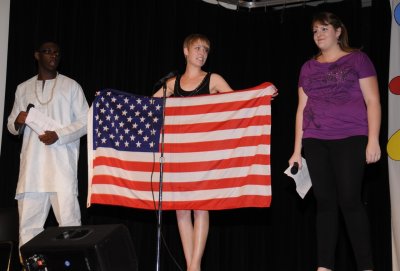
(185, 225)
(322, 177)
(193, 236)
(201, 225)
(349, 167)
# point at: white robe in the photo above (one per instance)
(51, 168)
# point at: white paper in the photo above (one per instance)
(301, 178)
(39, 122)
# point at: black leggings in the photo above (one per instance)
(336, 169)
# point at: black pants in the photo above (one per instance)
(336, 169)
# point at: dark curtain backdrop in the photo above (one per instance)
(129, 45)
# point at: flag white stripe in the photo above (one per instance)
(258, 190)
(185, 157)
(243, 113)
(217, 135)
(215, 174)
(218, 98)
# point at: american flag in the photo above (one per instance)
(216, 151)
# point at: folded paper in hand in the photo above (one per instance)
(39, 122)
(301, 178)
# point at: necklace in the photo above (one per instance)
(52, 91)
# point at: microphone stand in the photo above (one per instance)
(159, 211)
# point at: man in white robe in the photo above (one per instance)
(48, 159)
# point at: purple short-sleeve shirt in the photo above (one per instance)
(335, 106)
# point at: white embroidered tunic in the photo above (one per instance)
(50, 168)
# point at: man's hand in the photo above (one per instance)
(49, 137)
(20, 120)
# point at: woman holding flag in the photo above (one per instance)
(194, 81)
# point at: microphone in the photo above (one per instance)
(29, 107)
(295, 168)
(163, 80)
(22, 129)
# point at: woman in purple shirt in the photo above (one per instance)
(337, 125)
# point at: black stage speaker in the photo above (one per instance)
(83, 248)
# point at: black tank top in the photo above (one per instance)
(202, 88)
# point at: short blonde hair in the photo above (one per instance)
(193, 38)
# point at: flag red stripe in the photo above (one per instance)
(183, 166)
(219, 164)
(217, 144)
(181, 147)
(215, 108)
(215, 126)
(183, 186)
(214, 204)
